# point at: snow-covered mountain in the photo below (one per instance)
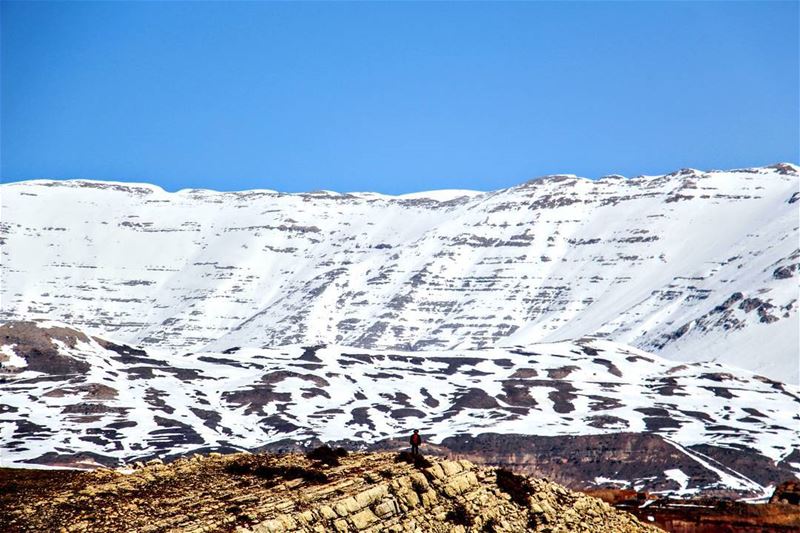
(697, 266)
(704, 426)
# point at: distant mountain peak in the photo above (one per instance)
(651, 262)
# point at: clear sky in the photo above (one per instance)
(393, 97)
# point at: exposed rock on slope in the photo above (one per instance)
(787, 492)
(705, 515)
(693, 265)
(615, 415)
(629, 460)
(246, 493)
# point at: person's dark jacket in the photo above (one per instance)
(415, 439)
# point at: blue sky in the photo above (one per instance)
(393, 97)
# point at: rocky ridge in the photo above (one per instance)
(264, 493)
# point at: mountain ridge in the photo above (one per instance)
(615, 414)
(249, 493)
(783, 166)
(692, 265)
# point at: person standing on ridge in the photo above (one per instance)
(415, 441)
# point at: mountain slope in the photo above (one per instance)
(262, 493)
(692, 265)
(66, 395)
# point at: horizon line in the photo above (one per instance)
(776, 165)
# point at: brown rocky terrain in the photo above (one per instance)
(634, 461)
(787, 492)
(708, 515)
(295, 492)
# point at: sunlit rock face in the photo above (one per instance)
(265, 493)
(691, 265)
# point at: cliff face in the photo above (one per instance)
(268, 493)
(706, 515)
(638, 461)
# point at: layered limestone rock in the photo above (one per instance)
(267, 493)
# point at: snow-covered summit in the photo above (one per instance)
(692, 265)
